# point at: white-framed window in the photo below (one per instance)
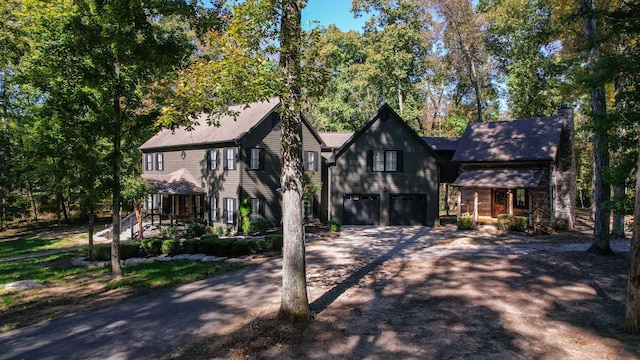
(229, 210)
(230, 158)
(391, 161)
(159, 161)
(213, 159)
(378, 160)
(213, 206)
(256, 208)
(520, 200)
(254, 160)
(148, 162)
(311, 161)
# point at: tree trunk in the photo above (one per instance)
(618, 216)
(294, 306)
(137, 207)
(601, 190)
(116, 269)
(91, 224)
(32, 201)
(632, 313)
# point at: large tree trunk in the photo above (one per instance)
(116, 269)
(91, 225)
(601, 190)
(632, 314)
(295, 303)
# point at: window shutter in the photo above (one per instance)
(247, 158)
(224, 210)
(316, 165)
(305, 160)
(224, 159)
(369, 160)
(261, 207)
(261, 159)
(400, 160)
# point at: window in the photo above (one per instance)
(310, 161)
(378, 161)
(229, 210)
(520, 199)
(255, 158)
(230, 158)
(159, 161)
(213, 204)
(213, 159)
(148, 163)
(381, 160)
(256, 208)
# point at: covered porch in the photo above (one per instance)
(177, 199)
(486, 194)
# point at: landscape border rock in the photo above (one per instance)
(22, 285)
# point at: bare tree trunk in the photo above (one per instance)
(601, 190)
(32, 201)
(632, 313)
(116, 269)
(294, 306)
(91, 225)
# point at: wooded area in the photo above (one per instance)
(84, 83)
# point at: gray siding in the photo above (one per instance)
(419, 176)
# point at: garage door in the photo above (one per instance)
(408, 209)
(361, 209)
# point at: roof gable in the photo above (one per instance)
(534, 139)
(385, 113)
(334, 140)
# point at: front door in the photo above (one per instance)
(498, 203)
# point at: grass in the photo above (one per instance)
(29, 244)
(51, 268)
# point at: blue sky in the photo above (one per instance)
(331, 12)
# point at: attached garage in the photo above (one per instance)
(361, 209)
(408, 209)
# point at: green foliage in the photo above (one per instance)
(334, 225)
(260, 226)
(505, 222)
(191, 246)
(274, 242)
(194, 229)
(224, 247)
(228, 230)
(129, 250)
(170, 247)
(207, 245)
(217, 230)
(466, 223)
(240, 248)
(152, 247)
(101, 252)
(245, 215)
(520, 223)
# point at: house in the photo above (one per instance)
(383, 174)
(206, 174)
(332, 141)
(523, 167)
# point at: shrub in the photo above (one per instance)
(223, 247)
(217, 230)
(520, 223)
(170, 247)
(465, 223)
(195, 229)
(334, 225)
(129, 250)
(101, 252)
(260, 226)
(228, 230)
(240, 248)
(261, 245)
(208, 237)
(274, 242)
(245, 215)
(208, 244)
(191, 246)
(505, 222)
(152, 247)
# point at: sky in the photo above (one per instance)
(331, 12)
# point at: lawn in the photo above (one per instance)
(20, 245)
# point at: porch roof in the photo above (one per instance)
(179, 182)
(499, 178)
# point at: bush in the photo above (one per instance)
(274, 242)
(209, 237)
(505, 222)
(101, 252)
(208, 244)
(240, 248)
(194, 229)
(191, 246)
(217, 230)
(465, 223)
(223, 247)
(261, 245)
(129, 250)
(170, 247)
(228, 230)
(152, 247)
(260, 226)
(334, 225)
(520, 223)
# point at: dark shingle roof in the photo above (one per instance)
(441, 143)
(534, 139)
(499, 178)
